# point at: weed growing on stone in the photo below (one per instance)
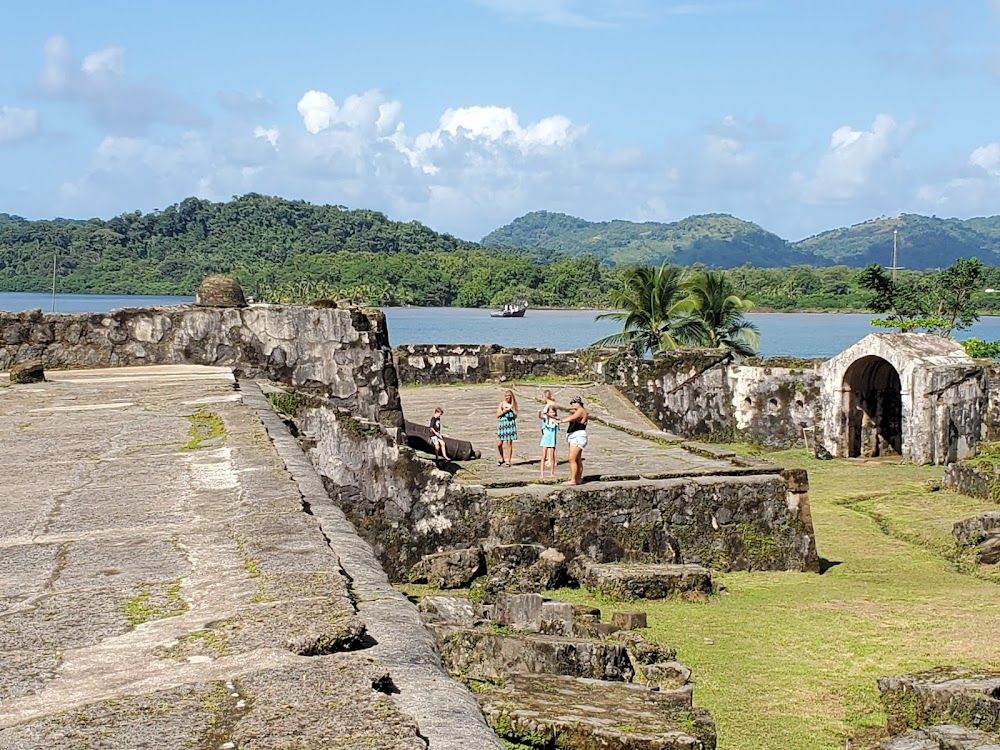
(206, 426)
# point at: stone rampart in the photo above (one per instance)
(700, 393)
(341, 353)
(407, 509)
(441, 364)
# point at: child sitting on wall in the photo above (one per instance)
(437, 438)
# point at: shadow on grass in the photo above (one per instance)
(825, 565)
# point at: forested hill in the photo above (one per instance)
(717, 240)
(922, 241)
(720, 240)
(170, 251)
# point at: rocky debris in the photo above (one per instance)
(27, 372)
(451, 609)
(219, 291)
(627, 620)
(627, 581)
(983, 532)
(584, 713)
(666, 675)
(488, 655)
(454, 569)
(589, 685)
(942, 737)
(522, 567)
(946, 695)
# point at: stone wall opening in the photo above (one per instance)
(874, 408)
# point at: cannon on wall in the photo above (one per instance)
(418, 437)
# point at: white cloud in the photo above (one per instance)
(100, 83)
(16, 124)
(987, 158)
(852, 161)
(368, 112)
(270, 135)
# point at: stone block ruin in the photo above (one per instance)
(547, 670)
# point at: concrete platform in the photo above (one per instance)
(623, 444)
(164, 585)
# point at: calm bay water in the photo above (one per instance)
(796, 334)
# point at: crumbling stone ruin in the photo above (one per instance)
(547, 671)
(942, 709)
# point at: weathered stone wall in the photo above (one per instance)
(991, 415)
(430, 364)
(343, 353)
(406, 509)
(401, 505)
(975, 481)
(700, 394)
(752, 522)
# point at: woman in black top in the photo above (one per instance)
(576, 437)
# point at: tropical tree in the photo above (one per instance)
(651, 307)
(714, 302)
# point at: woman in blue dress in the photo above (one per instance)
(506, 427)
(550, 431)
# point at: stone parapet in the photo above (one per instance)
(441, 364)
(342, 353)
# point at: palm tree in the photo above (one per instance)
(713, 299)
(652, 309)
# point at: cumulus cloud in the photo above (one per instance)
(369, 112)
(852, 160)
(17, 124)
(100, 83)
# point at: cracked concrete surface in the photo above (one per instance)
(159, 596)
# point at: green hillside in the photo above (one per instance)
(716, 240)
(723, 241)
(922, 242)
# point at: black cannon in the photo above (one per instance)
(418, 437)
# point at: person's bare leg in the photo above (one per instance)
(510, 450)
(554, 463)
(541, 464)
(500, 449)
(574, 465)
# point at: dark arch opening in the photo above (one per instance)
(874, 408)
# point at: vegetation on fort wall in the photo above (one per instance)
(282, 250)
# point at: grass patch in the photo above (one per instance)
(789, 660)
(205, 426)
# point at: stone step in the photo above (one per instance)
(490, 655)
(943, 737)
(592, 713)
(627, 581)
(938, 696)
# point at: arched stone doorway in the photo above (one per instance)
(874, 408)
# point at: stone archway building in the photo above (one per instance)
(915, 395)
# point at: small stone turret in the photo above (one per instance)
(219, 291)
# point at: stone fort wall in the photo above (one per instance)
(343, 354)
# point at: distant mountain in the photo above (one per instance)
(723, 241)
(922, 242)
(717, 240)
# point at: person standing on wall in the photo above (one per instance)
(506, 427)
(576, 438)
(550, 434)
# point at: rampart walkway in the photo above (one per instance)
(166, 584)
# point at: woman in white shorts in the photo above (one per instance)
(576, 437)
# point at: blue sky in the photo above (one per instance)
(464, 114)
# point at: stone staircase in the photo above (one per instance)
(948, 708)
(545, 670)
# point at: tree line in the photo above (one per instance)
(282, 250)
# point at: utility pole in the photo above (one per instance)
(894, 267)
(55, 254)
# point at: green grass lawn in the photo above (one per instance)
(788, 661)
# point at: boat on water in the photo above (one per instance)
(510, 310)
